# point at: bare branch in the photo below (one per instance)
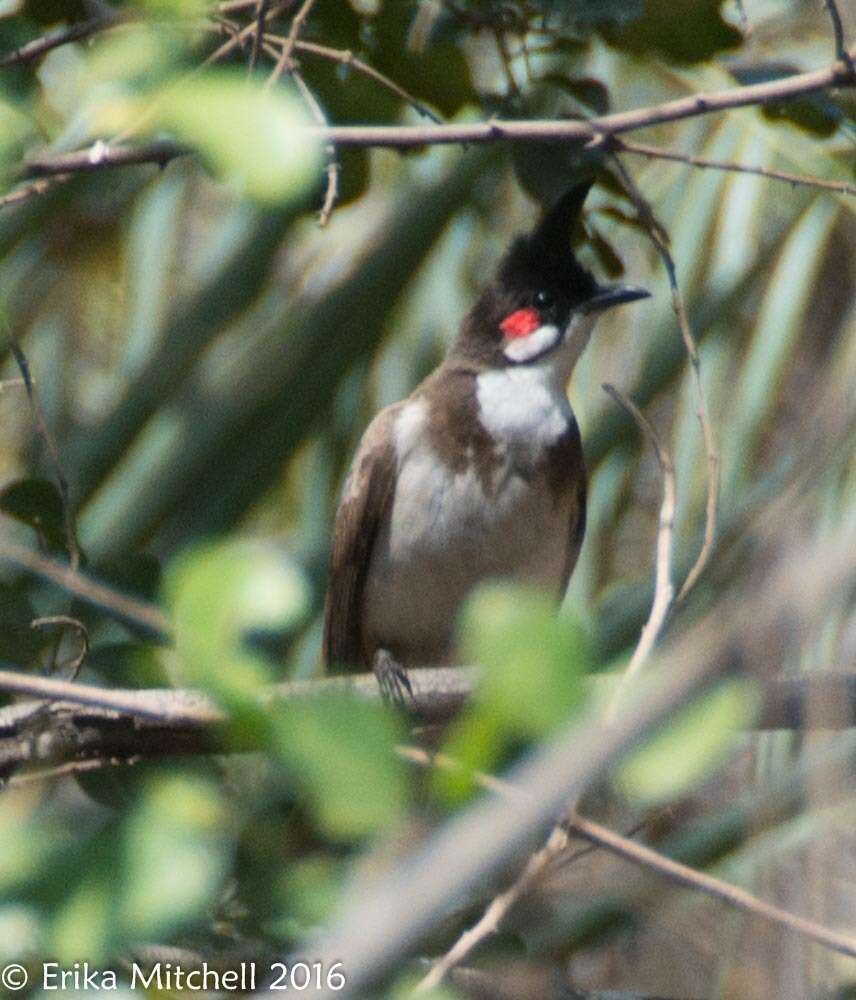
(284, 60)
(100, 156)
(44, 432)
(346, 58)
(838, 33)
(660, 241)
(261, 17)
(656, 153)
(690, 878)
(332, 168)
(74, 582)
(403, 136)
(664, 590)
(62, 36)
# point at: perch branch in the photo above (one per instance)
(405, 136)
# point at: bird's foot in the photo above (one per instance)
(392, 679)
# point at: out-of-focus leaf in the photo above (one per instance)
(590, 93)
(36, 502)
(683, 754)
(533, 663)
(51, 11)
(15, 130)
(693, 32)
(250, 136)
(176, 851)
(609, 259)
(218, 594)
(19, 643)
(810, 116)
(82, 925)
(533, 660)
(603, 11)
(341, 751)
(20, 932)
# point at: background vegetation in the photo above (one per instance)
(205, 357)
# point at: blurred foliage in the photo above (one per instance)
(207, 358)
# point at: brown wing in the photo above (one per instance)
(365, 503)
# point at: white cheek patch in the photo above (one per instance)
(526, 348)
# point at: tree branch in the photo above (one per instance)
(690, 878)
(405, 136)
(656, 153)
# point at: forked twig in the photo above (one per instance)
(333, 166)
(284, 60)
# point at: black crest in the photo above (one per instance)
(539, 262)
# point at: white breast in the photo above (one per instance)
(446, 534)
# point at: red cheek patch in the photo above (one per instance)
(521, 323)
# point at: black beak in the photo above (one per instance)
(607, 296)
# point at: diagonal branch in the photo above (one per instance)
(838, 33)
(656, 153)
(690, 878)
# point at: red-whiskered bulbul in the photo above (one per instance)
(479, 473)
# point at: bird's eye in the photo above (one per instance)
(543, 300)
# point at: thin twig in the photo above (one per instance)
(690, 878)
(679, 307)
(62, 36)
(631, 850)
(261, 17)
(284, 61)
(333, 166)
(344, 57)
(74, 582)
(838, 33)
(66, 621)
(28, 191)
(656, 153)
(44, 432)
(664, 590)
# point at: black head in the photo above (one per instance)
(539, 287)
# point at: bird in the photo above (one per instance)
(478, 474)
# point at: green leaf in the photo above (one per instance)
(533, 660)
(533, 663)
(689, 749)
(248, 136)
(218, 594)
(176, 853)
(37, 503)
(590, 93)
(690, 33)
(341, 751)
